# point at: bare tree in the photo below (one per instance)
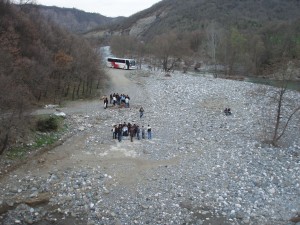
(38, 62)
(213, 38)
(23, 3)
(233, 50)
(187, 63)
(196, 39)
(14, 103)
(256, 49)
(169, 49)
(281, 121)
(282, 109)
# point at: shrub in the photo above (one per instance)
(48, 124)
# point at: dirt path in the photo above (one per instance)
(110, 156)
(118, 78)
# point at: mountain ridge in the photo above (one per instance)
(74, 20)
(192, 15)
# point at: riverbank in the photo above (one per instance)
(201, 167)
(292, 84)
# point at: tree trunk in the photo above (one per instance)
(78, 88)
(67, 89)
(40, 96)
(91, 87)
(278, 116)
(98, 83)
(83, 88)
(4, 144)
(73, 93)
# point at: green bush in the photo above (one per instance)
(48, 124)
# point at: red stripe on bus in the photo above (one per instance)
(115, 65)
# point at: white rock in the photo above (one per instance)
(81, 128)
(272, 190)
(62, 114)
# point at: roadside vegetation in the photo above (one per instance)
(44, 131)
(40, 63)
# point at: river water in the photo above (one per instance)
(292, 85)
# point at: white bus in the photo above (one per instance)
(119, 63)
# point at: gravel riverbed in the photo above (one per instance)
(200, 167)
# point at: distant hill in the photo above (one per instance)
(251, 37)
(190, 15)
(74, 20)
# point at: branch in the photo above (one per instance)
(287, 122)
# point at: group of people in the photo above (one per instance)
(127, 129)
(116, 99)
(119, 99)
(227, 111)
(132, 130)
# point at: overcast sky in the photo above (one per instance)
(110, 8)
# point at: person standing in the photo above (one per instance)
(125, 130)
(118, 97)
(122, 99)
(149, 132)
(105, 103)
(131, 132)
(143, 132)
(127, 64)
(138, 130)
(110, 98)
(127, 102)
(229, 111)
(114, 99)
(120, 132)
(114, 131)
(141, 112)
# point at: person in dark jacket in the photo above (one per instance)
(131, 132)
(120, 132)
(105, 103)
(141, 112)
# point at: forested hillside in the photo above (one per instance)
(73, 20)
(39, 63)
(189, 15)
(253, 37)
